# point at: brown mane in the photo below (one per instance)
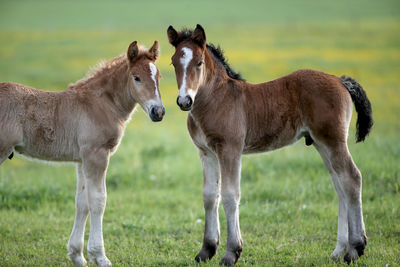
(104, 66)
(98, 70)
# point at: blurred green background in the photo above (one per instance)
(154, 214)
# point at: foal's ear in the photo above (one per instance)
(155, 51)
(133, 51)
(173, 36)
(199, 36)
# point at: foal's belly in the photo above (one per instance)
(48, 152)
(271, 140)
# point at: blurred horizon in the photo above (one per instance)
(133, 15)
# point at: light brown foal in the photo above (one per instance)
(83, 124)
(229, 117)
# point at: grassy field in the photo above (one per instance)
(154, 214)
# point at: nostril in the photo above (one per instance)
(153, 111)
(189, 101)
(163, 111)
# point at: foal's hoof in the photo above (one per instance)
(356, 250)
(231, 258)
(78, 260)
(102, 261)
(203, 256)
(206, 253)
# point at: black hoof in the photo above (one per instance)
(227, 262)
(360, 250)
(206, 253)
(231, 257)
(356, 250)
(360, 246)
(347, 258)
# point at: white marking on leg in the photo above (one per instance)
(76, 240)
(153, 70)
(230, 200)
(347, 181)
(95, 167)
(185, 60)
(97, 202)
(211, 197)
(230, 192)
(343, 233)
(350, 182)
(356, 226)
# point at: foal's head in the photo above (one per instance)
(188, 61)
(144, 79)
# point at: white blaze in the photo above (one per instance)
(185, 60)
(153, 70)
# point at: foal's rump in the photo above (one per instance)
(30, 122)
(10, 113)
(326, 104)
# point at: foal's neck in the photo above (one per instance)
(215, 76)
(214, 73)
(111, 85)
(215, 83)
(117, 90)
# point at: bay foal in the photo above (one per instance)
(83, 124)
(229, 117)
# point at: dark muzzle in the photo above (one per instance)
(185, 103)
(157, 113)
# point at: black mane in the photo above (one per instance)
(185, 34)
(219, 54)
(216, 51)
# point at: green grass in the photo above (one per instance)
(154, 214)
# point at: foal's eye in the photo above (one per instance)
(199, 64)
(137, 79)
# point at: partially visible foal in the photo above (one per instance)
(229, 117)
(83, 124)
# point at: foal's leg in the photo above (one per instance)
(230, 164)
(349, 181)
(76, 240)
(342, 242)
(342, 234)
(211, 192)
(95, 164)
(352, 187)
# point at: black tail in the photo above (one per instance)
(363, 107)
